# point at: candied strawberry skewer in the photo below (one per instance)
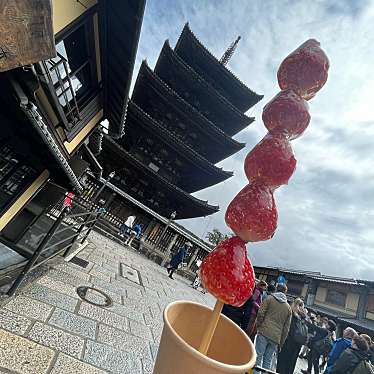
(252, 215)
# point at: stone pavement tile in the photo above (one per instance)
(154, 350)
(133, 292)
(101, 284)
(139, 329)
(57, 339)
(69, 365)
(29, 308)
(13, 322)
(22, 355)
(66, 289)
(103, 315)
(148, 366)
(71, 322)
(98, 260)
(116, 298)
(137, 347)
(111, 359)
(112, 266)
(129, 312)
(149, 292)
(45, 294)
(103, 270)
(104, 277)
(62, 275)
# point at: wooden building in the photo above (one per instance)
(49, 109)
(350, 302)
(180, 122)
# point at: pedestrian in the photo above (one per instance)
(270, 290)
(339, 346)
(297, 336)
(273, 324)
(320, 344)
(197, 282)
(305, 349)
(177, 259)
(261, 286)
(355, 359)
(239, 315)
(127, 225)
(135, 232)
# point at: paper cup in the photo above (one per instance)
(231, 351)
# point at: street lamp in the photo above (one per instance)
(172, 216)
(110, 176)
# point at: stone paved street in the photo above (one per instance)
(49, 329)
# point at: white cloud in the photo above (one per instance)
(326, 212)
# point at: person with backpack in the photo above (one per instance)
(355, 359)
(297, 337)
(320, 345)
(339, 346)
(273, 324)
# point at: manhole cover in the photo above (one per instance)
(94, 296)
(131, 274)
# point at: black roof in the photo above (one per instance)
(120, 23)
(193, 52)
(183, 79)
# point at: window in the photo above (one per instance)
(370, 305)
(336, 298)
(72, 73)
(295, 288)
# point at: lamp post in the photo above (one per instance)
(172, 216)
(110, 176)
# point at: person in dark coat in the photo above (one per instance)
(340, 345)
(320, 334)
(288, 355)
(177, 259)
(352, 356)
(239, 315)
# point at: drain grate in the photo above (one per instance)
(131, 274)
(79, 261)
(94, 296)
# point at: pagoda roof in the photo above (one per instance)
(205, 174)
(186, 205)
(151, 93)
(183, 79)
(194, 53)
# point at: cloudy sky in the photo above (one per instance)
(326, 214)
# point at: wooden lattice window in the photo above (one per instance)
(335, 297)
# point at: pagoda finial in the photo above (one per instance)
(229, 52)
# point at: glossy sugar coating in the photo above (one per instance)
(271, 163)
(252, 214)
(287, 113)
(305, 70)
(227, 273)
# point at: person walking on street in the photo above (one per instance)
(297, 336)
(273, 324)
(320, 344)
(339, 346)
(355, 359)
(261, 286)
(177, 259)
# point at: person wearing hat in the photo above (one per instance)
(178, 258)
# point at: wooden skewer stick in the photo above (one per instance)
(209, 332)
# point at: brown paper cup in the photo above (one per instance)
(231, 351)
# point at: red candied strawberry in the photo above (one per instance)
(227, 273)
(305, 70)
(287, 114)
(252, 215)
(271, 162)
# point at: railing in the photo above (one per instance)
(77, 220)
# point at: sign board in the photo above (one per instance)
(26, 32)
